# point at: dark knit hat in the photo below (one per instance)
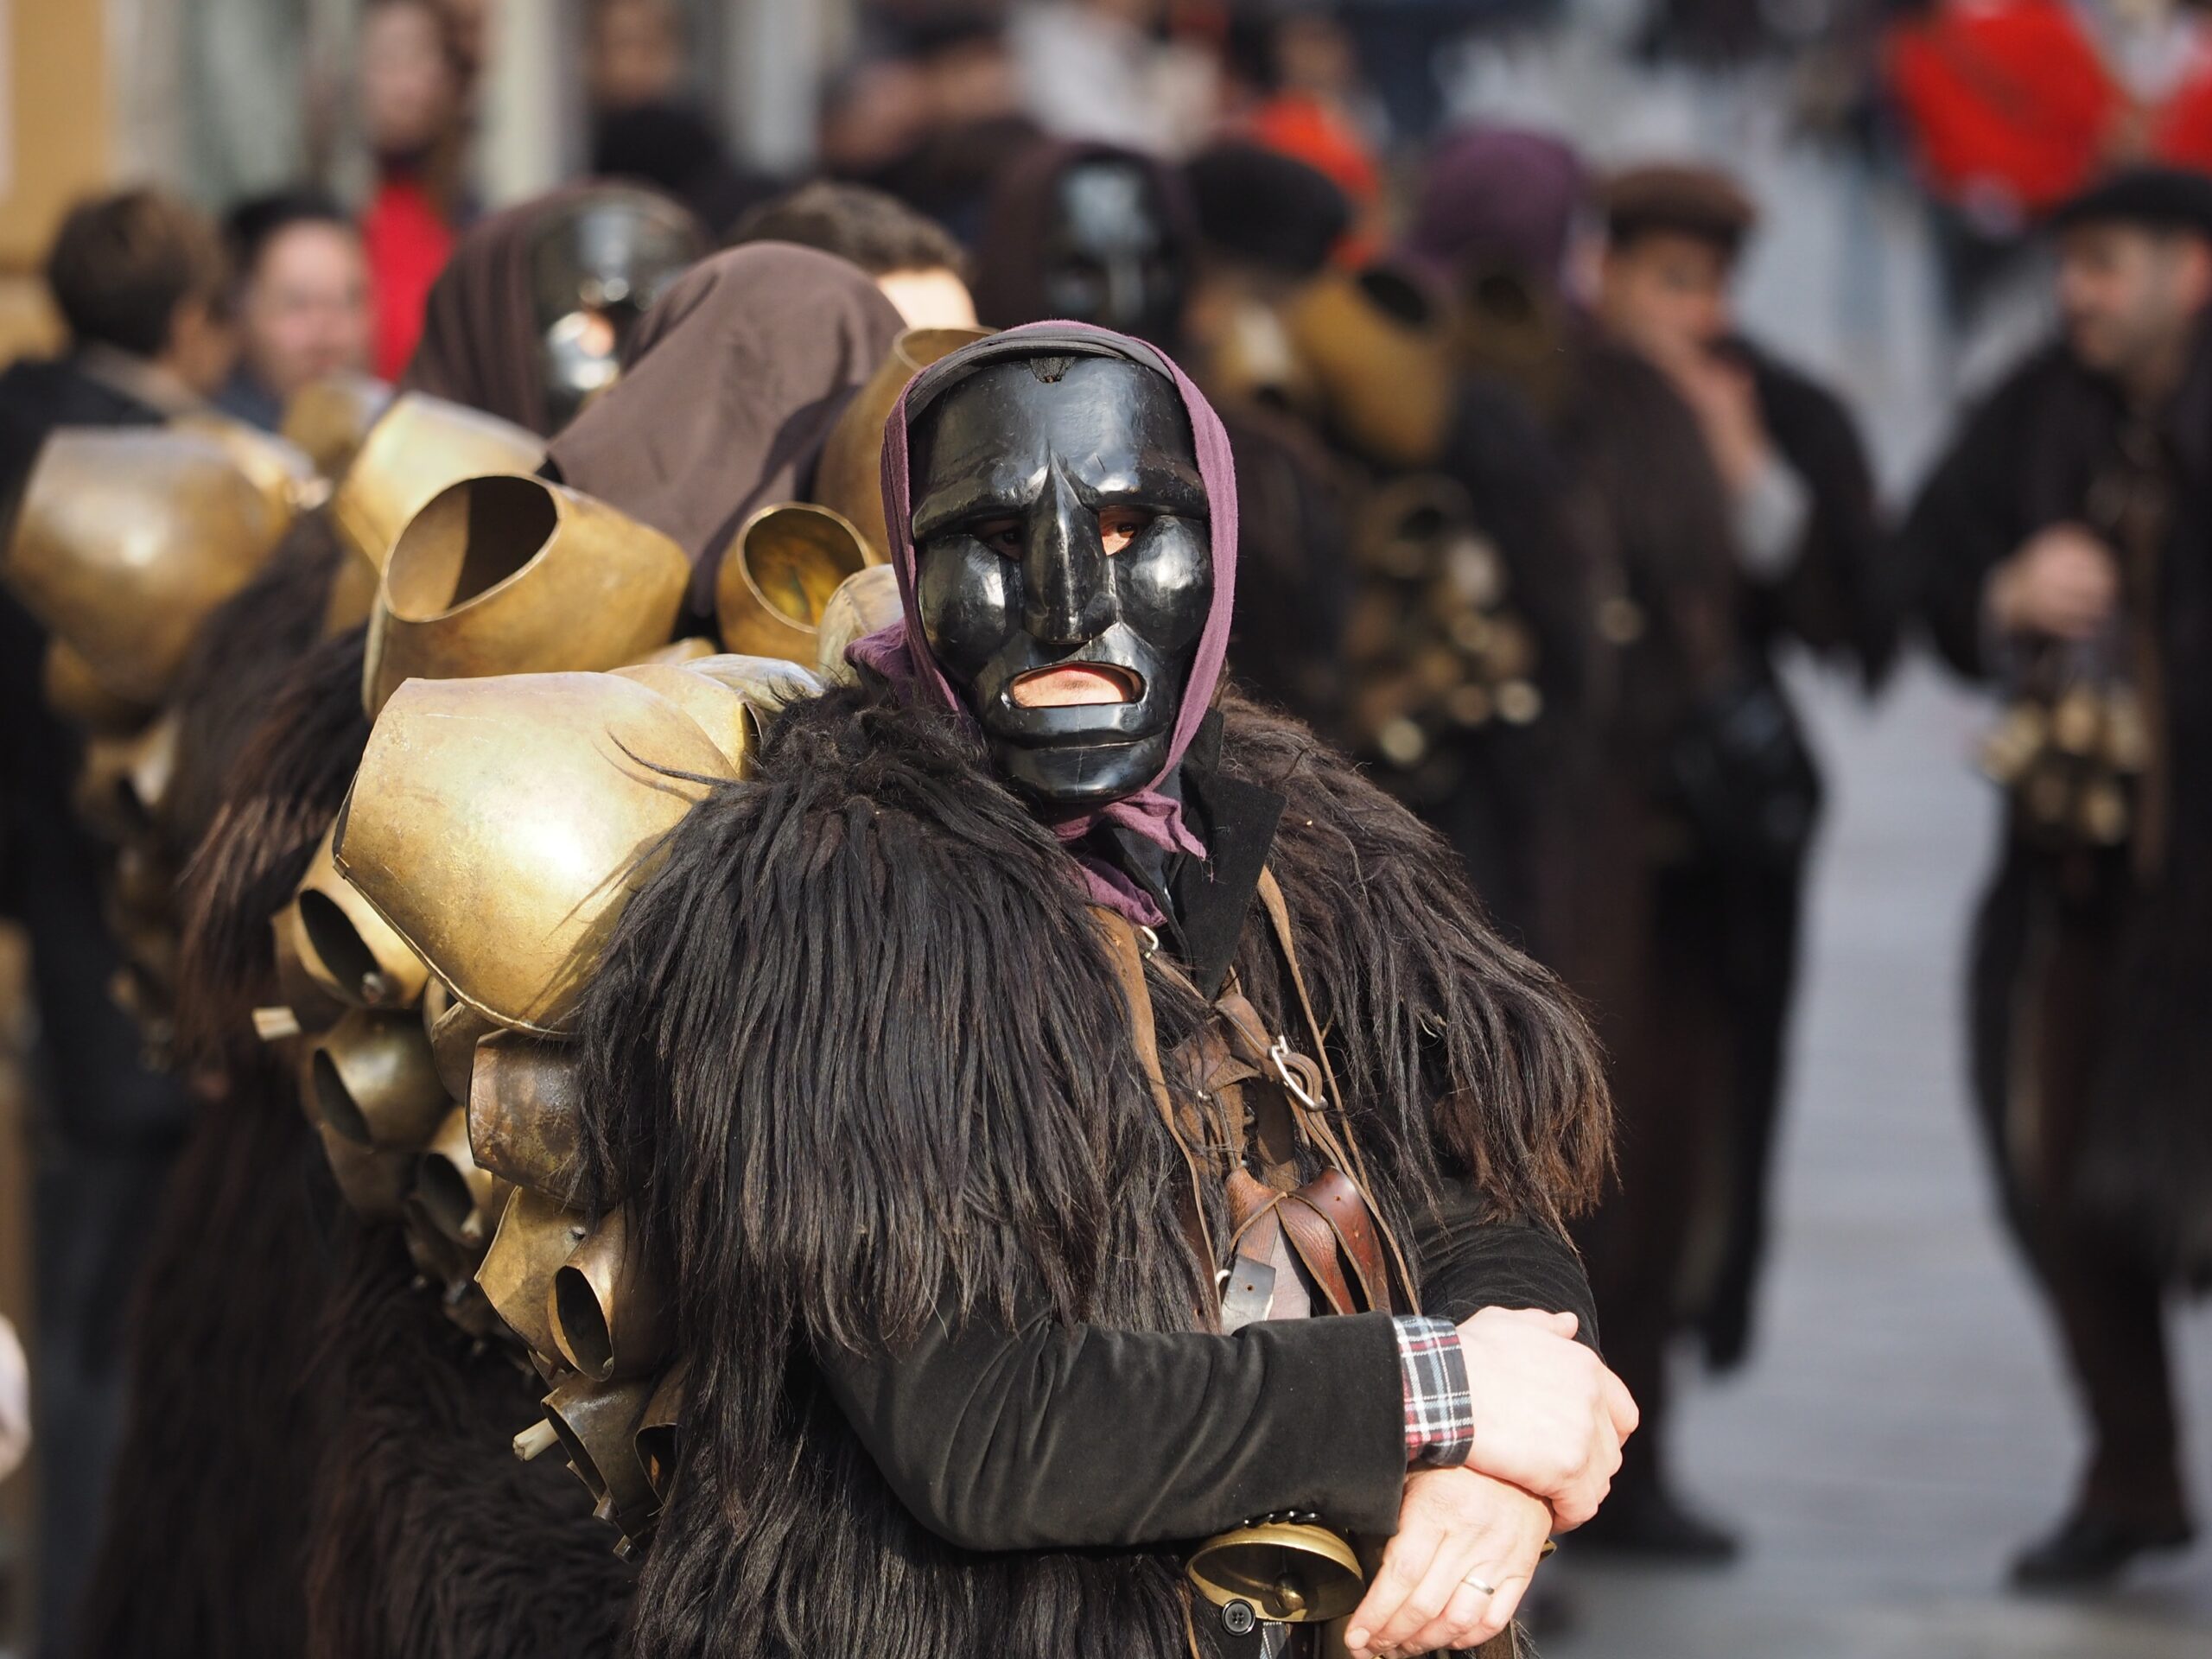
(2155, 198)
(1700, 201)
(1261, 206)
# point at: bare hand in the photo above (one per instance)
(1724, 398)
(1548, 1416)
(2064, 582)
(14, 1401)
(1453, 1525)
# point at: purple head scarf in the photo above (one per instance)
(901, 653)
(1497, 194)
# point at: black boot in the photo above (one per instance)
(1647, 1520)
(2089, 1550)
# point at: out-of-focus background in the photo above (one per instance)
(1903, 1422)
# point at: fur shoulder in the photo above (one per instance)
(856, 1045)
(1456, 1044)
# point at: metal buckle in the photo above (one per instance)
(1279, 1057)
(1149, 937)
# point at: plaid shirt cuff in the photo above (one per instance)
(1439, 1412)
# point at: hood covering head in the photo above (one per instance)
(730, 387)
(901, 652)
(483, 343)
(1497, 196)
(1041, 251)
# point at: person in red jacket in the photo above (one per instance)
(410, 92)
(2010, 110)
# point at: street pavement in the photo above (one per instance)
(1903, 1422)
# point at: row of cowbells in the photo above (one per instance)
(446, 929)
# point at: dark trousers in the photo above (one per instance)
(2109, 1305)
(1695, 1023)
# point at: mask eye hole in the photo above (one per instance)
(1002, 536)
(1119, 526)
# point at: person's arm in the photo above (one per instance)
(1469, 1262)
(1965, 522)
(1071, 1437)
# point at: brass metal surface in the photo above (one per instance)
(499, 825)
(864, 601)
(597, 1423)
(536, 1235)
(283, 472)
(1295, 1572)
(1375, 346)
(780, 574)
(329, 417)
(459, 1197)
(373, 1184)
(729, 697)
(658, 1431)
(415, 448)
(609, 1309)
(126, 539)
(515, 575)
(75, 693)
(525, 1113)
(730, 723)
(370, 1078)
(349, 950)
(849, 476)
(455, 1028)
(689, 649)
(313, 1007)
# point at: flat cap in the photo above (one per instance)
(2158, 198)
(1700, 201)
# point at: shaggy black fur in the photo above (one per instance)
(317, 1462)
(857, 1050)
(239, 663)
(205, 1546)
(279, 797)
(429, 1539)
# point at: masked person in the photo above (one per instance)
(934, 1060)
(2059, 547)
(227, 1392)
(1106, 236)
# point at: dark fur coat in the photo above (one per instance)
(859, 1054)
(316, 1461)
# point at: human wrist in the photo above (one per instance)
(1440, 1420)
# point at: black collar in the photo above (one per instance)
(1206, 899)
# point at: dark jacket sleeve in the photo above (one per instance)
(1057, 1437)
(1841, 595)
(1074, 1437)
(1969, 517)
(1468, 1263)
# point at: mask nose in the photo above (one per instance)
(1063, 570)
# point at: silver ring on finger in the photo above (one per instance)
(1475, 1583)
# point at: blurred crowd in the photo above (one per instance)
(1528, 521)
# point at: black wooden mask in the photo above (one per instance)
(1064, 567)
(594, 269)
(1110, 256)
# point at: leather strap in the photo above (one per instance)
(1348, 1158)
(1309, 1236)
(1129, 965)
(1331, 1196)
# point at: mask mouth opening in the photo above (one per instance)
(1075, 685)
